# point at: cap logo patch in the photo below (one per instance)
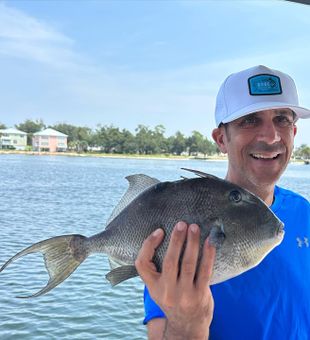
(264, 84)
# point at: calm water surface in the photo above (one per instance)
(41, 197)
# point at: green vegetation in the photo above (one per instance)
(145, 141)
(302, 152)
(30, 127)
(111, 140)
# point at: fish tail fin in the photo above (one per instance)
(62, 255)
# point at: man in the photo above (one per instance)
(255, 113)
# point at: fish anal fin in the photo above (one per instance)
(114, 263)
(120, 274)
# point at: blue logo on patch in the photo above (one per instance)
(264, 84)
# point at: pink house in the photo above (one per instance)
(49, 140)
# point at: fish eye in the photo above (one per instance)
(235, 196)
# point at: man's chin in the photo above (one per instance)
(266, 177)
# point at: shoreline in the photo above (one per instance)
(126, 156)
(106, 155)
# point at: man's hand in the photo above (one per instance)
(184, 297)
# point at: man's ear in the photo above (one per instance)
(218, 135)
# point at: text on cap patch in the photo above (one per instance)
(264, 84)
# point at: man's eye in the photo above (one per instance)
(249, 121)
(283, 121)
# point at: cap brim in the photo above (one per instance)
(301, 112)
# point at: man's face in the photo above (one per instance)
(258, 146)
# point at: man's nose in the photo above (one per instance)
(269, 133)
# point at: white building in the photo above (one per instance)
(13, 139)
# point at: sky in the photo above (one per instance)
(125, 63)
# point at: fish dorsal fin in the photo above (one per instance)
(137, 184)
(199, 173)
(184, 178)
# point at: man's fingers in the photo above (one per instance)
(189, 261)
(171, 260)
(143, 263)
(205, 270)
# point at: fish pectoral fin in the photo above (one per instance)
(120, 274)
(216, 236)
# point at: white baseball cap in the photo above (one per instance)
(256, 89)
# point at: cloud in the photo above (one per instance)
(15, 24)
(44, 73)
(25, 37)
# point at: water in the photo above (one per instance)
(41, 197)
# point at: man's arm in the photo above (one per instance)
(184, 297)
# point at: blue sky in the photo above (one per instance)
(142, 62)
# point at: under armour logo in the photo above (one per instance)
(302, 242)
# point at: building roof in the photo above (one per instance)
(13, 131)
(50, 132)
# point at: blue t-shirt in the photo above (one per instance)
(272, 300)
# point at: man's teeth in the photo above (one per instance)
(260, 156)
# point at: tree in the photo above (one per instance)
(144, 139)
(193, 142)
(206, 147)
(159, 140)
(2, 126)
(30, 127)
(303, 152)
(151, 141)
(177, 143)
(108, 138)
(197, 143)
(67, 129)
(79, 138)
(112, 139)
(127, 144)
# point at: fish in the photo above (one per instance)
(239, 224)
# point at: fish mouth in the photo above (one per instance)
(280, 234)
(280, 231)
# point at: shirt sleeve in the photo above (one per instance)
(151, 309)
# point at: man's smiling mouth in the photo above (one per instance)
(264, 156)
